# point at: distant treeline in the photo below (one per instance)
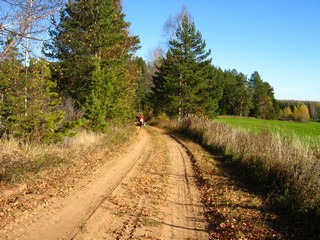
(290, 106)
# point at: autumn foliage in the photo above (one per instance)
(301, 113)
(298, 112)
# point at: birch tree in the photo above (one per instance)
(26, 23)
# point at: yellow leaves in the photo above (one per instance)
(301, 113)
(286, 113)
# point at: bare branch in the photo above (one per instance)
(26, 19)
(171, 25)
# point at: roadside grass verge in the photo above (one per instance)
(25, 162)
(232, 208)
(286, 171)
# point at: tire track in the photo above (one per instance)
(185, 218)
(95, 226)
(142, 159)
(67, 217)
(147, 193)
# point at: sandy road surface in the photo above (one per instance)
(147, 193)
(184, 216)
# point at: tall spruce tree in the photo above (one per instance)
(184, 82)
(42, 118)
(93, 48)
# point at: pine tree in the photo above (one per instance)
(265, 105)
(243, 96)
(184, 82)
(11, 89)
(42, 119)
(164, 92)
(144, 85)
(30, 115)
(93, 49)
(228, 101)
(236, 97)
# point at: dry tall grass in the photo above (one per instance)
(20, 161)
(284, 165)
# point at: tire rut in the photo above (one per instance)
(148, 193)
(185, 211)
(95, 227)
(142, 159)
(67, 217)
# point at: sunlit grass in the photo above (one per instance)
(286, 166)
(303, 130)
(24, 161)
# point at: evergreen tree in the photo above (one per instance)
(11, 89)
(93, 49)
(144, 86)
(164, 92)
(236, 97)
(42, 119)
(227, 103)
(264, 104)
(29, 103)
(184, 82)
(243, 96)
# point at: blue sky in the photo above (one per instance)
(278, 38)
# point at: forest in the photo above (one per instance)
(89, 76)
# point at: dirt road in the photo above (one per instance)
(148, 192)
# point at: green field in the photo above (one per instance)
(303, 130)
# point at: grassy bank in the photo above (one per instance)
(287, 171)
(28, 162)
